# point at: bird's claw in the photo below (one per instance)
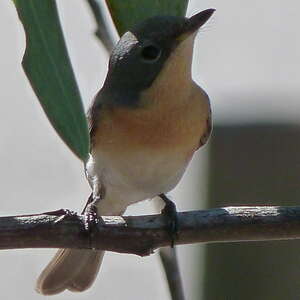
(171, 213)
(91, 219)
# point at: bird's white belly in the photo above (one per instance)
(137, 177)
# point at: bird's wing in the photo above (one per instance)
(203, 112)
(93, 116)
(204, 138)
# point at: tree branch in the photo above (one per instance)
(102, 31)
(141, 235)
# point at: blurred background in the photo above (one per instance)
(247, 59)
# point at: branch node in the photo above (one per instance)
(65, 214)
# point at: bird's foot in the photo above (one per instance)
(91, 218)
(171, 213)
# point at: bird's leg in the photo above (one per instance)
(171, 213)
(90, 209)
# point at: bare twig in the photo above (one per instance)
(170, 263)
(142, 234)
(169, 260)
(102, 31)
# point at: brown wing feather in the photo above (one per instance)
(204, 138)
(93, 116)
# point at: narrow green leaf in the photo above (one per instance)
(48, 68)
(127, 13)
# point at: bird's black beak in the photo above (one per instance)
(194, 23)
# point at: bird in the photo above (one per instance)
(145, 124)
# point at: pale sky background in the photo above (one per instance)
(247, 59)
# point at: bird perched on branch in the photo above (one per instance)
(145, 125)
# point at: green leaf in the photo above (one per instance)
(127, 13)
(48, 68)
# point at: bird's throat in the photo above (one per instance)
(173, 83)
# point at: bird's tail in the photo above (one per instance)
(71, 269)
(75, 269)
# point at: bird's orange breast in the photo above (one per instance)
(173, 129)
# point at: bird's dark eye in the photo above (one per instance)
(150, 53)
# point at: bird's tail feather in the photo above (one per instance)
(71, 269)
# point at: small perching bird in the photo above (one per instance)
(145, 125)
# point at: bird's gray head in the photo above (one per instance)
(141, 53)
